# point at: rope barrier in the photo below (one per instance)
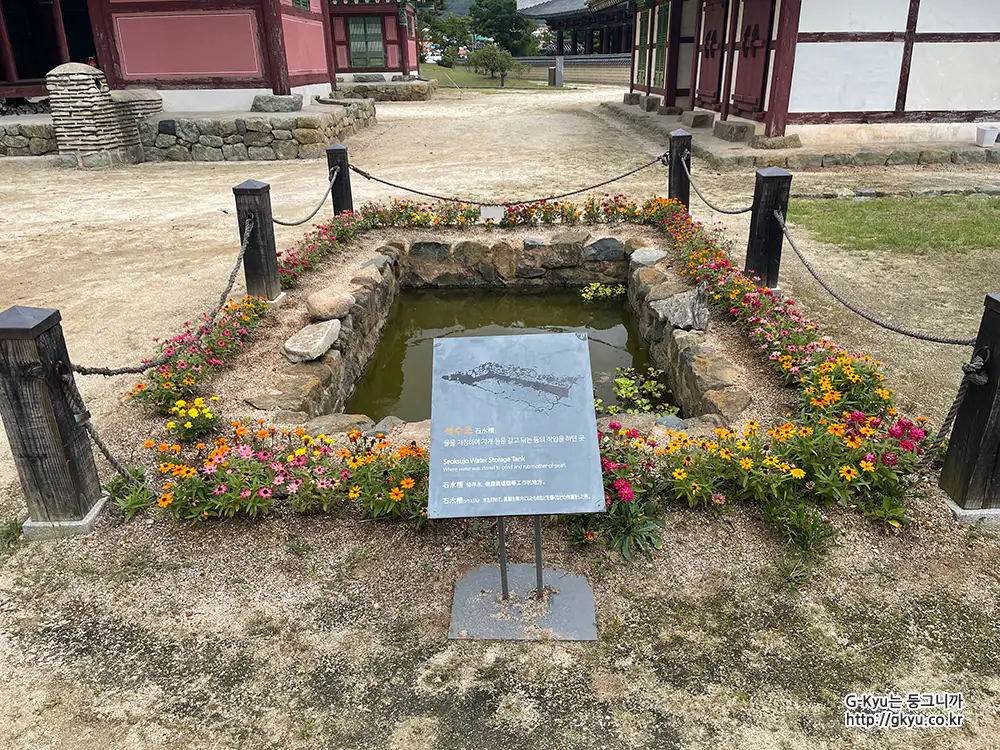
(662, 159)
(857, 310)
(333, 178)
(730, 211)
(972, 374)
(138, 369)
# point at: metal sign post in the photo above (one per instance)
(504, 591)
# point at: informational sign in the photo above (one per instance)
(513, 430)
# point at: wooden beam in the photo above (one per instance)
(784, 65)
(699, 9)
(104, 44)
(650, 43)
(57, 19)
(274, 44)
(904, 68)
(673, 54)
(8, 68)
(331, 56)
(731, 59)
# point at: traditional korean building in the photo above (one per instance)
(792, 64)
(205, 54)
(586, 27)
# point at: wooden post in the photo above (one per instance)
(560, 43)
(60, 30)
(331, 55)
(764, 247)
(274, 44)
(679, 185)
(260, 262)
(343, 200)
(971, 472)
(51, 449)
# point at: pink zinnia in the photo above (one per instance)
(614, 425)
(265, 492)
(209, 468)
(245, 494)
(889, 459)
(917, 434)
(220, 489)
(244, 450)
(907, 445)
(279, 479)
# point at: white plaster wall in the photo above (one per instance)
(684, 65)
(688, 13)
(946, 76)
(855, 134)
(846, 77)
(856, 15)
(312, 89)
(958, 15)
(209, 100)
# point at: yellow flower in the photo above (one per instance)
(396, 494)
(867, 466)
(852, 441)
(188, 425)
(726, 454)
(300, 451)
(171, 425)
(695, 488)
(407, 483)
(848, 473)
(165, 499)
(680, 474)
(213, 398)
(836, 429)
(746, 463)
(797, 473)
(354, 492)
(342, 453)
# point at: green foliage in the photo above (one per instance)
(795, 570)
(450, 32)
(498, 20)
(392, 485)
(599, 291)
(491, 60)
(641, 392)
(127, 497)
(799, 523)
(449, 57)
(190, 420)
(10, 535)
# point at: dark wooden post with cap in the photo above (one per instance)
(680, 156)
(260, 262)
(764, 247)
(971, 472)
(343, 200)
(51, 448)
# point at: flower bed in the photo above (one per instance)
(848, 446)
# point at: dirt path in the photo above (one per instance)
(328, 632)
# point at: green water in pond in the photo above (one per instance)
(397, 380)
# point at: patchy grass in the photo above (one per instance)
(913, 226)
(10, 536)
(464, 77)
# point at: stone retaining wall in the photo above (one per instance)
(27, 139)
(262, 137)
(331, 353)
(387, 91)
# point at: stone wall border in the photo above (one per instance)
(672, 315)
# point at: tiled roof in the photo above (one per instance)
(553, 8)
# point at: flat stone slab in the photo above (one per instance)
(647, 256)
(567, 612)
(312, 342)
(691, 119)
(276, 103)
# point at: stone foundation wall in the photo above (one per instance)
(27, 139)
(330, 354)
(263, 137)
(387, 91)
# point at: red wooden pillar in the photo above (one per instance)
(57, 19)
(673, 55)
(560, 42)
(331, 58)
(784, 62)
(605, 40)
(8, 68)
(274, 43)
(404, 46)
(573, 40)
(696, 54)
(588, 41)
(730, 58)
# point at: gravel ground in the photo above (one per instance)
(331, 632)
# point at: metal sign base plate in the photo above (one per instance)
(567, 612)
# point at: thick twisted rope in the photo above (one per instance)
(82, 416)
(857, 310)
(972, 374)
(333, 178)
(730, 211)
(163, 358)
(662, 159)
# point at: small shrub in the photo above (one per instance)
(192, 420)
(641, 392)
(129, 498)
(599, 291)
(800, 524)
(384, 483)
(10, 535)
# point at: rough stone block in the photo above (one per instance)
(687, 310)
(903, 156)
(646, 256)
(380, 261)
(471, 253)
(369, 78)
(959, 156)
(630, 98)
(935, 156)
(428, 250)
(729, 402)
(644, 279)
(212, 141)
(206, 153)
(770, 160)
(993, 155)
(178, 153)
(276, 103)
(39, 146)
(167, 127)
(670, 111)
(775, 142)
(870, 158)
(235, 152)
(606, 248)
(37, 130)
(697, 119)
(258, 124)
(328, 304)
(96, 160)
(164, 140)
(281, 135)
(634, 243)
(209, 126)
(504, 259)
(805, 161)
(261, 153)
(312, 150)
(225, 128)
(311, 122)
(308, 135)
(286, 149)
(733, 131)
(257, 138)
(338, 424)
(837, 160)
(15, 141)
(312, 342)
(649, 103)
(188, 130)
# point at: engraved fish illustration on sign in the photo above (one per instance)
(540, 391)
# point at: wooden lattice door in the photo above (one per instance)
(753, 47)
(713, 38)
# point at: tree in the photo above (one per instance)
(450, 31)
(498, 19)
